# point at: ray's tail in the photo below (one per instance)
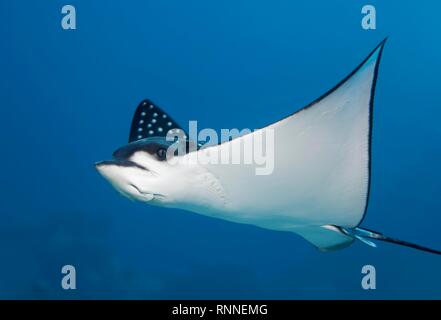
(365, 235)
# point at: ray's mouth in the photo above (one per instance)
(153, 196)
(140, 191)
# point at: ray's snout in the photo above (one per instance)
(126, 177)
(101, 166)
(116, 175)
(108, 169)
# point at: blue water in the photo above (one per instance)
(67, 99)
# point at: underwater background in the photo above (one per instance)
(67, 98)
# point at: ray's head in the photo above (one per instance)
(140, 171)
(151, 170)
(153, 166)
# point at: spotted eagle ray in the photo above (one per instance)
(319, 188)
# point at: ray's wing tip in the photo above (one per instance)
(375, 55)
(383, 42)
(381, 45)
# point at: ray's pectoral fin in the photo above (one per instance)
(149, 120)
(325, 238)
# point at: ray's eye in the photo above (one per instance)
(161, 153)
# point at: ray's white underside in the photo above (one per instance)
(321, 167)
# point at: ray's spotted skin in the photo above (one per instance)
(150, 121)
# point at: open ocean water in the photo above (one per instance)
(67, 98)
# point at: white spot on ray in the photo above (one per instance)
(139, 129)
(142, 114)
(151, 106)
(149, 125)
(169, 124)
(151, 132)
(159, 129)
(153, 120)
(155, 114)
(141, 121)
